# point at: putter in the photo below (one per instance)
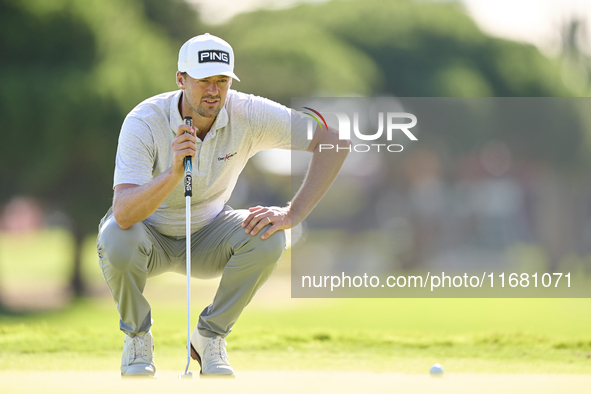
(188, 193)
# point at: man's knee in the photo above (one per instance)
(121, 247)
(269, 250)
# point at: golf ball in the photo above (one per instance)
(436, 370)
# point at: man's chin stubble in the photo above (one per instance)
(209, 114)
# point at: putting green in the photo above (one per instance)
(293, 382)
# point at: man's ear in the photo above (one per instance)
(180, 81)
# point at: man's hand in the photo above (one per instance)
(185, 144)
(279, 218)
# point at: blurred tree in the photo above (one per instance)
(70, 72)
(576, 61)
(402, 48)
(177, 19)
(414, 48)
(280, 58)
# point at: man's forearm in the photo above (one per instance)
(324, 168)
(135, 203)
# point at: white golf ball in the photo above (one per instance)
(436, 370)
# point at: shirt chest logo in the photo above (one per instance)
(227, 157)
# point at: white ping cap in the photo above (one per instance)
(205, 56)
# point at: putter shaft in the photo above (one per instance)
(188, 193)
(188, 246)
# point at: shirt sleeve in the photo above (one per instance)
(277, 127)
(135, 153)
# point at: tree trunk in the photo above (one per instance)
(3, 307)
(77, 284)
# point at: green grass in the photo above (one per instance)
(525, 336)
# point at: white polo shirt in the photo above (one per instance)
(245, 125)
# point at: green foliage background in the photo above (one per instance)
(404, 48)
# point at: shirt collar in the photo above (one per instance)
(220, 121)
(175, 117)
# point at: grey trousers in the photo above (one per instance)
(129, 257)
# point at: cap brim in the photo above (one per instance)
(198, 74)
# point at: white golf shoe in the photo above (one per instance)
(138, 356)
(211, 355)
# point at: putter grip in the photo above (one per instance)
(188, 166)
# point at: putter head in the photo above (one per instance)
(186, 375)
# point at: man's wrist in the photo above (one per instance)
(294, 214)
(174, 175)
